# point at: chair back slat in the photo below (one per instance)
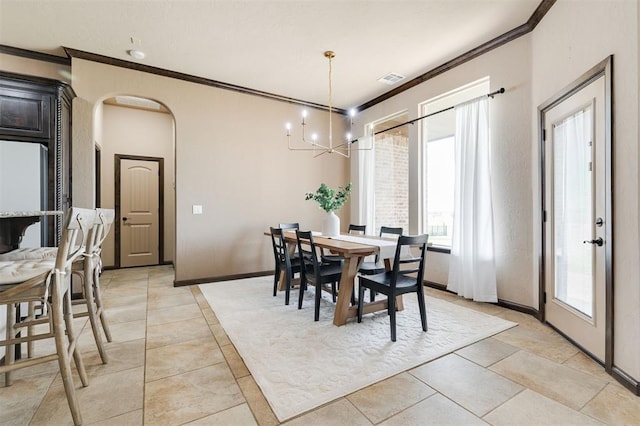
(308, 253)
(280, 249)
(75, 234)
(390, 230)
(293, 225)
(357, 228)
(409, 265)
(386, 231)
(100, 229)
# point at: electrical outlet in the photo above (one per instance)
(197, 209)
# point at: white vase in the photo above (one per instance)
(331, 225)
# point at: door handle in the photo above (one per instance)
(598, 241)
(124, 219)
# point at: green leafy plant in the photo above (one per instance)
(329, 199)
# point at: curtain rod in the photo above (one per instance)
(489, 95)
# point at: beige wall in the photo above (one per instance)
(231, 154)
(510, 67)
(567, 43)
(128, 131)
(27, 66)
(231, 158)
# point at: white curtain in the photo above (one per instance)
(572, 214)
(366, 162)
(472, 271)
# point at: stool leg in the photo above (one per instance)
(10, 353)
(97, 294)
(72, 338)
(64, 358)
(31, 313)
(87, 281)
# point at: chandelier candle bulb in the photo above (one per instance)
(344, 149)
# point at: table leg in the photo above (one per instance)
(281, 280)
(349, 271)
(344, 309)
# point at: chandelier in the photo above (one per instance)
(344, 149)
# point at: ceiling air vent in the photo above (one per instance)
(391, 78)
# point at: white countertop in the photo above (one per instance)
(4, 215)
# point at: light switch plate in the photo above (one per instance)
(197, 209)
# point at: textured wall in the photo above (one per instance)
(27, 66)
(231, 158)
(566, 44)
(510, 67)
(129, 131)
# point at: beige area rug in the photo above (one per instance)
(300, 364)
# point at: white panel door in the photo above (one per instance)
(139, 205)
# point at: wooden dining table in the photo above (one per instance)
(354, 254)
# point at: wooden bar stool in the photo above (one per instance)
(48, 285)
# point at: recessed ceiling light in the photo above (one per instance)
(391, 78)
(137, 54)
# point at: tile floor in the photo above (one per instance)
(171, 363)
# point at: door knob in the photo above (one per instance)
(598, 241)
(124, 219)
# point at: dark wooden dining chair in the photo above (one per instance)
(314, 271)
(378, 266)
(292, 226)
(283, 263)
(405, 277)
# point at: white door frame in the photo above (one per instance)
(603, 69)
(118, 218)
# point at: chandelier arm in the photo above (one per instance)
(347, 145)
(314, 146)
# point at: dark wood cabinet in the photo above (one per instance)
(38, 110)
(25, 114)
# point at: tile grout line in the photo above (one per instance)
(144, 375)
(197, 290)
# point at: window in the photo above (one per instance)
(385, 178)
(438, 161)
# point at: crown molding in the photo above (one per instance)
(16, 51)
(511, 35)
(94, 57)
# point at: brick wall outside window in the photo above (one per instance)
(392, 182)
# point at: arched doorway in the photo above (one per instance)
(135, 137)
